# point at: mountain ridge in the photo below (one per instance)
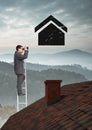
(70, 57)
(75, 51)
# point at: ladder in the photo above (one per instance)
(22, 101)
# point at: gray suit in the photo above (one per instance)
(19, 69)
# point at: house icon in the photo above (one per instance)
(52, 34)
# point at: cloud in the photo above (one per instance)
(80, 10)
(8, 3)
(20, 16)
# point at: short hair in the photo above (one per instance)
(18, 47)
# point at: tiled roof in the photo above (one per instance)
(72, 112)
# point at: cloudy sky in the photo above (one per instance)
(19, 17)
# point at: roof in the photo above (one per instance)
(72, 112)
(51, 18)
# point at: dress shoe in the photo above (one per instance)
(21, 94)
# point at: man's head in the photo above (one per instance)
(19, 48)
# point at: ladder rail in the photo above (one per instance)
(17, 103)
(26, 86)
(25, 102)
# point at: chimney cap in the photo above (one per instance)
(54, 81)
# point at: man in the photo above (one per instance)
(19, 57)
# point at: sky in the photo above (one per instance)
(18, 18)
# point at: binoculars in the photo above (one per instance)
(26, 47)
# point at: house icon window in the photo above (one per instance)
(52, 34)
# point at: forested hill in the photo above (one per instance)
(35, 81)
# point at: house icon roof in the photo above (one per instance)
(53, 34)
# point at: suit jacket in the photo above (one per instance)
(19, 62)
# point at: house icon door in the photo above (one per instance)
(52, 34)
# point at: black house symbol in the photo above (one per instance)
(53, 34)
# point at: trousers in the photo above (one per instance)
(20, 80)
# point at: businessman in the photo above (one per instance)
(21, 53)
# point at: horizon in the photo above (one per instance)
(82, 58)
(11, 50)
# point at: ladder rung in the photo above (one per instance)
(22, 103)
(23, 88)
(21, 95)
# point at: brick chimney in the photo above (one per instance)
(52, 91)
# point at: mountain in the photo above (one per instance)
(6, 57)
(61, 58)
(72, 68)
(74, 57)
(74, 51)
(35, 81)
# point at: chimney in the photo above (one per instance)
(52, 91)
